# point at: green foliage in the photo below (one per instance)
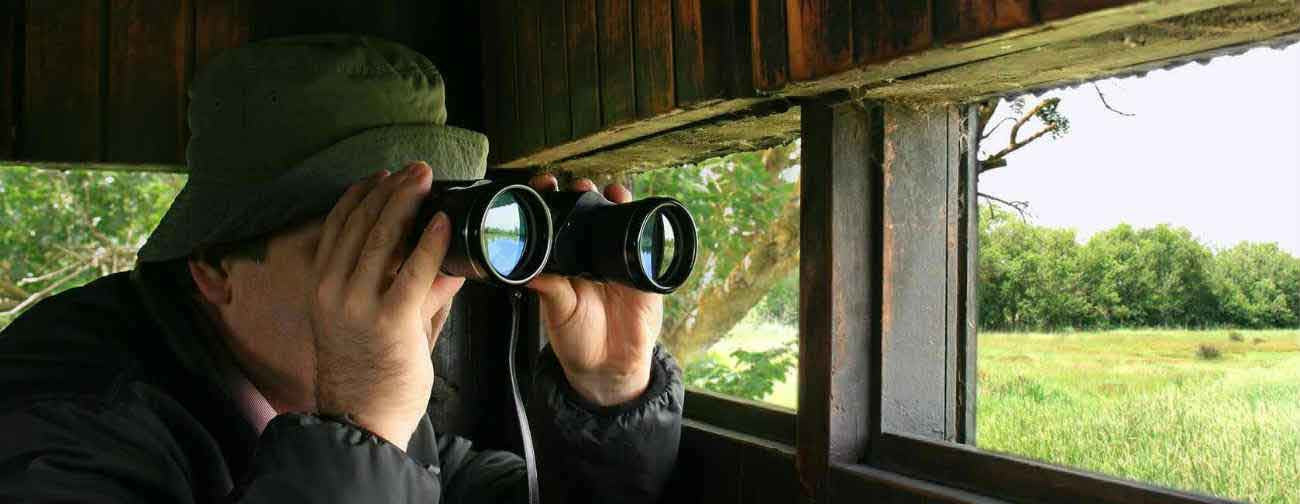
(50, 220)
(1033, 277)
(781, 304)
(753, 376)
(734, 200)
(1257, 285)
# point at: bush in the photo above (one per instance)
(1208, 352)
(1236, 336)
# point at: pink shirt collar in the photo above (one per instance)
(252, 404)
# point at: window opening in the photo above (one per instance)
(734, 325)
(1139, 277)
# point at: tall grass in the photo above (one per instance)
(1145, 405)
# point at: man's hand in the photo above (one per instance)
(602, 333)
(373, 330)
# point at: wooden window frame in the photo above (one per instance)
(863, 224)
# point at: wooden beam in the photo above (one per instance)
(919, 224)
(1123, 51)
(218, 25)
(886, 29)
(757, 126)
(688, 52)
(839, 278)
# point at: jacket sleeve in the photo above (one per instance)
(622, 453)
(89, 450)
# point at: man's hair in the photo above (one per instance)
(251, 249)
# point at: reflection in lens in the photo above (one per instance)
(505, 233)
(657, 245)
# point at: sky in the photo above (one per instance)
(1214, 148)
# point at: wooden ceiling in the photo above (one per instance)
(584, 85)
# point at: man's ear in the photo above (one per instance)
(213, 283)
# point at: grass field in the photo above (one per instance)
(1140, 404)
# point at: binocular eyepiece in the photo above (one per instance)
(506, 234)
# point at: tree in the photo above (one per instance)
(746, 207)
(60, 229)
(1257, 285)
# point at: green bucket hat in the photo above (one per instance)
(281, 128)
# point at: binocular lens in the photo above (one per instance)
(505, 233)
(665, 247)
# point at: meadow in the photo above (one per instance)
(1148, 404)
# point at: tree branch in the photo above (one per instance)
(1019, 206)
(43, 293)
(1107, 104)
(998, 161)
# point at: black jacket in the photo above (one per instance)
(106, 397)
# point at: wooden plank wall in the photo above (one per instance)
(634, 60)
(104, 80)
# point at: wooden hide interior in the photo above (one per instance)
(594, 87)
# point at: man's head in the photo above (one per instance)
(280, 129)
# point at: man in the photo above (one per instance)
(273, 342)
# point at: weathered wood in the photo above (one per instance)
(899, 76)
(218, 25)
(64, 81)
(148, 72)
(617, 81)
(727, 65)
(958, 20)
(1057, 9)
(851, 482)
(919, 157)
(758, 127)
(820, 37)
(584, 67)
(770, 54)
(753, 418)
(1012, 478)
(688, 52)
(886, 29)
(499, 66)
(1115, 52)
(10, 47)
(555, 73)
(838, 275)
(530, 130)
(967, 276)
(653, 27)
(715, 465)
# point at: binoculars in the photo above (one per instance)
(506, 234)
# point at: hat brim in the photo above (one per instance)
(207, 212)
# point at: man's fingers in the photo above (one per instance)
(583, 184)
(544, 182)
(416, 281)
(357, 228)
(333, 224)
(617, 193)
(559, 300)
(388, 233)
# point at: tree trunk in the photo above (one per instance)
(722, 304)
